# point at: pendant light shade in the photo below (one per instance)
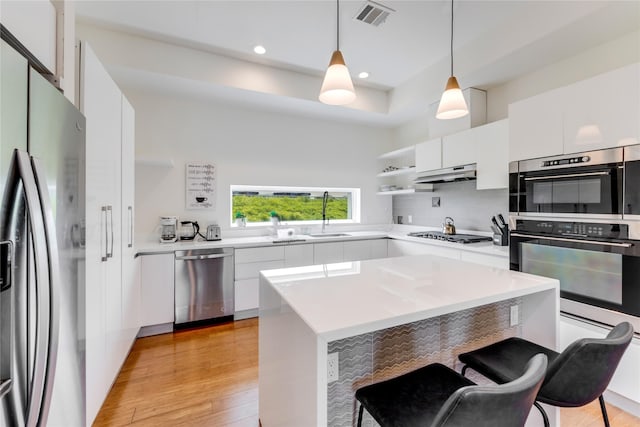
(337, 87)
(452, 104)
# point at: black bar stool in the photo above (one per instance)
(438, 396)
(575, 377)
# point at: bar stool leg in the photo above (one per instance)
(545, 418)
(604, 411)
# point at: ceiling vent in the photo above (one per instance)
(373, 13)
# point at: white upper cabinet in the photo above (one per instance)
(604, 111)
(492, 148)
(535, 126)
(600, 112)
(429, 155)
(459, 149)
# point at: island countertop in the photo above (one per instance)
(347, 299)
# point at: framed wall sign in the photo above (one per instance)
(200, 186)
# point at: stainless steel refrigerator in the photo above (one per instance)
(42, 166)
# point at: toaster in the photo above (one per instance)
(213, 232)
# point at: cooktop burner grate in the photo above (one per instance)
(456, 238)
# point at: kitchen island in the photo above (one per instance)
(383, 317)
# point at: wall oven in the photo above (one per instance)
(597, 264)
(588, 184)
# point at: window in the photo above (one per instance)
(302, 205)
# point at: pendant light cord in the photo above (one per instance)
(451, 46)
(337, 24)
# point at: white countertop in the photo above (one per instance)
(258, 241)
(346, 299)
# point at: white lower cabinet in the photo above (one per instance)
(485, 259)
(327, 253)
(361, 250)
(402, 248)
(298, 255)
(626, 380)
(248, 264)
(157, 289)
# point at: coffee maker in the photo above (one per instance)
(168, 229)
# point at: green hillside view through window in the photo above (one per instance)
(289, 204)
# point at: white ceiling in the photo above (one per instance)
(494, 40)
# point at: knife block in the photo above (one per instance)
(501, 239)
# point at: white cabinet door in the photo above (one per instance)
(603, 111)
(251, 270)
(459, 149)
(402, 248)
(157, 289)
(327, 253)
(378, 248)
(271, 253)
(485, 259)
(101, 103)
(535, 126)
(246, 293)
(361, 250)
(298, 255)
(429, 155)
(492, 145)
(130, 281)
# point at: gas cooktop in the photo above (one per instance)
(457, 238)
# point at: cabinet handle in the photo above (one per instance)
(110, 211)
(130, 208)
(106, 233)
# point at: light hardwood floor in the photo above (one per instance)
(209, 377)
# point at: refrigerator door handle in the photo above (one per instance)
(53, 284)
(106, 234)
(6, 326)
(25, 173)
(110, 212)
(130, 244)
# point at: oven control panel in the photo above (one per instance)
(574, 229)
(566, 161)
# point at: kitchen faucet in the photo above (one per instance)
(325, 199)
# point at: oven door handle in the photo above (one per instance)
(564, 239)
(569, 175)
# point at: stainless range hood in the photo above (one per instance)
(453, 174)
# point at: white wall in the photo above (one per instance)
(248, 147)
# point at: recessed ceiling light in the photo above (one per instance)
(363, 75)
(260, 50)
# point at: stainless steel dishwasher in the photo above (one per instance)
(204, 285)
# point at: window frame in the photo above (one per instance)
(353, 208)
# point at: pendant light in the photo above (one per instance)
(337, 87)
(452, 104)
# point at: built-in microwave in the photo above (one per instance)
(586, 184)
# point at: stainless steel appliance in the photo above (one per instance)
(42, 164)
(203, 285)
(457, 238)
(597, 264)
(632, 182)
(168, 229)
(448, 227)
(588, 184)
(213, 232)
(453, 174)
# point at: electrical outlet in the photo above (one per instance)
(514, 315)
(332, 367)
(409, 219)
(435, 202)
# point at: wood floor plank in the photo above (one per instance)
(208, 377)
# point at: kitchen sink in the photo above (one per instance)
(330, 235)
